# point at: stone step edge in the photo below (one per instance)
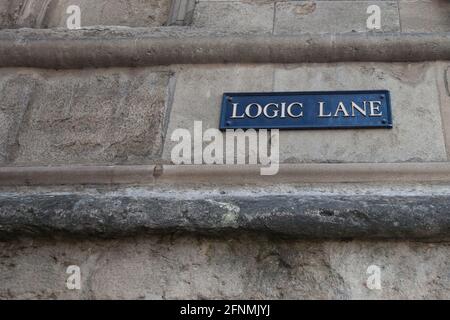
(225, 174)
(62, 49)
(123, 212)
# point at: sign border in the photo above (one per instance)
(386, 93)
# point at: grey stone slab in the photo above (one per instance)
(443, 85)
(5, 19)
(244, 17)
(297, 214)
(199, 90)
(9, 12)
(417, 134)
(181, 12)
(425, 15)
(294, 17)
(81, 116)
(51, 14)
(16, 92)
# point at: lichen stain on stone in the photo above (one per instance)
(323, 212)
(304, 9)
(230, 218)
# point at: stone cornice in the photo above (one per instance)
(226, 174)
(413, 212)
(132, 47)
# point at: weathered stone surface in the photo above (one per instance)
(417, 133)
(306, 213)
(138, 47)
(199, 92)
(180, 267)
(425, 15)
(118, 116)
(9, 12)
(415, 104)
(81, 116)
(51, 14)
(443, 86)
(5, 19)
(332, 16)
(181, 12)
(245, 17)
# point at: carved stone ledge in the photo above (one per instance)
(330, 212)
(135, 47)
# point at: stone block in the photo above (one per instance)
(180, 267)
(293, 17)
(425, 15)
(443, 85)
(9, 12)
(199, 90)
(52, 14)
(417, 133)
(113, 116)
(235, 17)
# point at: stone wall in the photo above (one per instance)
(187, 267)
(53, 13)
(82, 117)
(87, 178)
(126, 116)
(268, 16)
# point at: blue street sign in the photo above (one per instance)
(306, 110)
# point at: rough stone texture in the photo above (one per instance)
(232, 16)
(5, 19)
(407, 82)
(181, 267)
(199, 92)
(332, 16)
(417, 133)
(9, 12)
(425, 15)
(247, 17)
(118, 116)
(181, 12)
(40, 126)
(52, 13)
(443, 85)
(81, 116)
(134, 47)
(306, 213)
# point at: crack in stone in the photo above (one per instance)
(447, 87)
